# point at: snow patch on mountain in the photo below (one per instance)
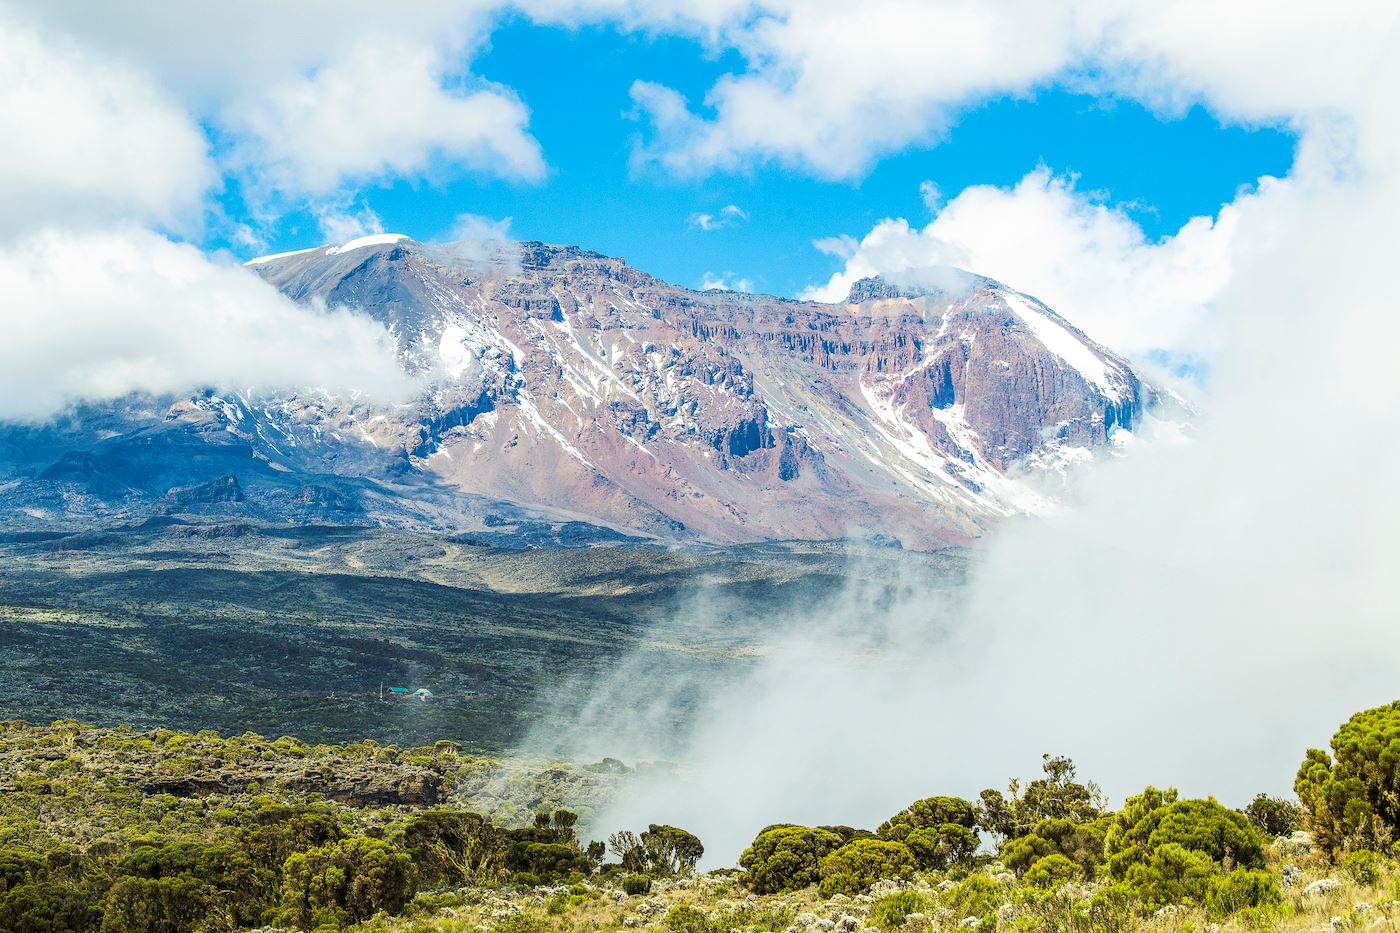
(374, 239)
(1056, 338)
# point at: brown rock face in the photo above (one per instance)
(565, 379)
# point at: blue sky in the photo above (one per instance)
(576, 81)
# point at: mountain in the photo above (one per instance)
(569, 393)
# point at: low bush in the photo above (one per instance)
(786, 858)
(636, 883)
(890, 911)
(1363, 865)
(854, 867)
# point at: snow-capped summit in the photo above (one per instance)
(567, 383)
(331, 249)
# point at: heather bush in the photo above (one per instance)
(854, 867)
(1351, 798)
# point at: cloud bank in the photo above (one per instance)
(1201, 613)
(88, 139)
(1088, 260)
(102, 314)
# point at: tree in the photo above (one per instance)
(1056, 796)
(1273, 815)
(664, 851)
(1351, 798)
(550, 860)
(47, 907)
(345, 882)
(939, 831)
(456, 846)
(854, 867)
(173, 904)
(786, 858)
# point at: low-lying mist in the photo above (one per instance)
(1197, 615)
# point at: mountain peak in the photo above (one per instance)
(562, 382)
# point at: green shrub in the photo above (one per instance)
(683, 918)
(1274, 816)
(47, 907)
(854, 867)
(1351, 799)
(1162, 850)
(1241, 889)
(1080, 843)
(549, 860)
(931, 812)
(666, 851)
(455, 847)
(1051, 871)
(345, 882)
(940, 831)
(1057, 796)
(974, 896)
(156, 905)
(636, 883)
(1156, 818)
(890, 911)
(786, 858)
(1363, 865)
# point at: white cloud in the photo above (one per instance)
(485, 242)
(1199, 615)
(930, 194)
(88, 139)
(334, 96)
(342, 221)
(1086, 259)
(831, 92)
(98, 315)
(381, 111)
(479, 227)
(726, 283)
(727, 215)
(1203, 612)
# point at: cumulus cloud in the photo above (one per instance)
(88, 139)
(381, 111)
(830, 92)
(335, 96)
(99, 315)
(1087, 259)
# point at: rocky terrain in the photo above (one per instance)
(568, 398)
(233, 625)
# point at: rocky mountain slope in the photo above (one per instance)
(564, 389)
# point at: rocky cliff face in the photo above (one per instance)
(569, 398)
(565, 379)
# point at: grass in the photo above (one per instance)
(717, 903)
